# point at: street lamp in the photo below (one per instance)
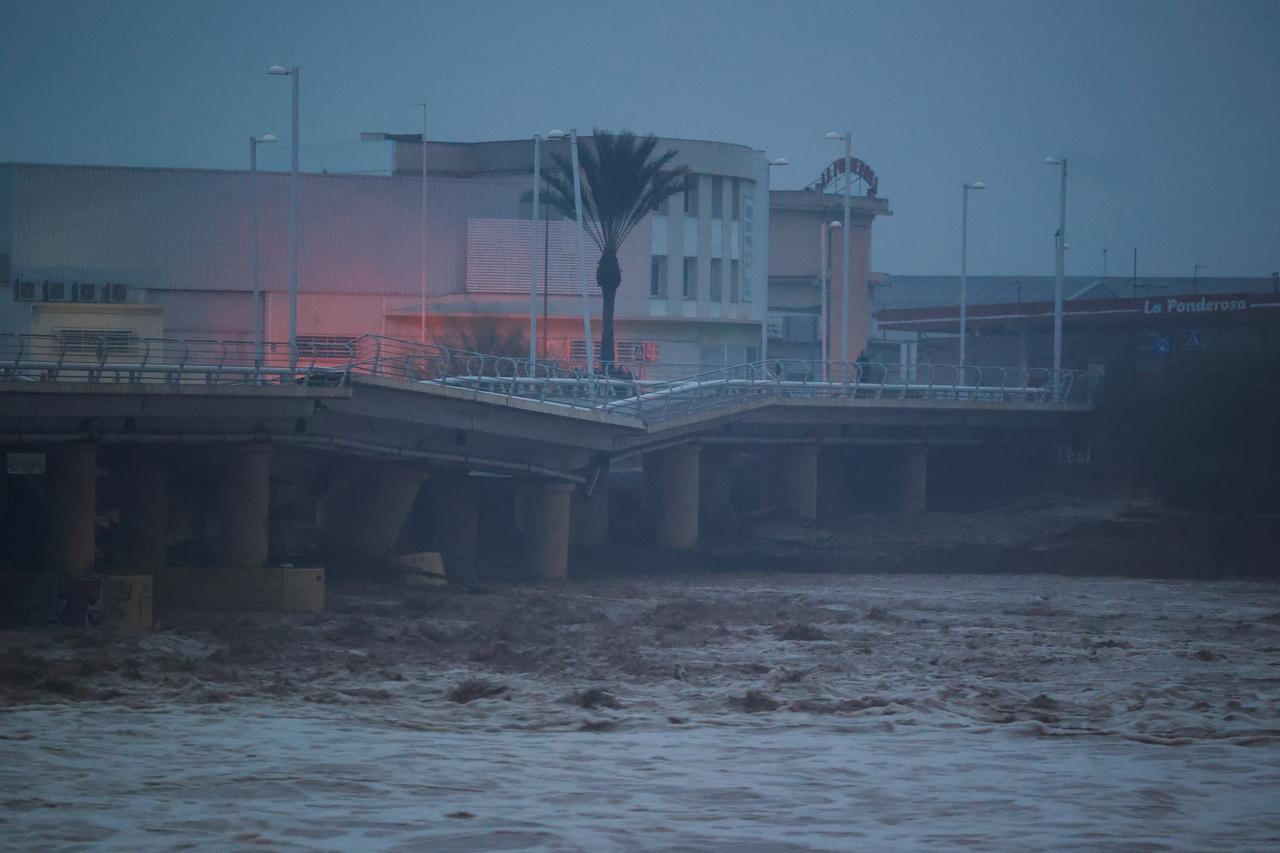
(422, 229)
(964, 265)
(582, 246)
(824, 249)
(764, 324)
(844, 297)
(1060, 245)
(254, 142)
(533, 255)
(281, 71)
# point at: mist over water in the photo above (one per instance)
(736, 713)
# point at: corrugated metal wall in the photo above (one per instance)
(189, 229)
(498, 254)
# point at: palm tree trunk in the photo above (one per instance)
(608, 277)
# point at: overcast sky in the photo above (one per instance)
(1169, 112)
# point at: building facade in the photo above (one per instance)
(167, 252)
(806, 265)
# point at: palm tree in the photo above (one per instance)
(622, 182)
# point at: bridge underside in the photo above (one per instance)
(134, 476)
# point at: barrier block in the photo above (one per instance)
(425, 568)
(108, 602)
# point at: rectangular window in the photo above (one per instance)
(691, 195)
(690, 289)
(717, 197)
(716, 285)
(658, 276)
(325, 346)
(735, 201)
(735, 270)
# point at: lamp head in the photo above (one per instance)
(278, 71)
(267, 138)
(834, 135)
(1053, 161)
(780, 161)
(556, 134)
(976, 185)
(835, 223)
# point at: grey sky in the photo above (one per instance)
(1168, 111)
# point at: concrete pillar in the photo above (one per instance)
(800, 481)
(589, 518)
(547, 522)
(832, 462)
(908, 488)
(369, 512)
(715, 489)
(243, 503)
(144, 512)
(456, 504)
(677, 471)
(71, 476)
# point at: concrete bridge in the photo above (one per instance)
(354, 433)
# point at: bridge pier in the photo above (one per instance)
(456, 502)
(799, 472)
(677, 473)
(908, 488)
(71, 475)
(589, 516)
(243, 501)
(832, 463)
(144, 511)
(370, 511)
(546, 518)
(715, 489)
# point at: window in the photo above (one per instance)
(735, 201)
(24, 291)
(717, 197)
(690, 278)
(96, 342)
(325, 346)
(691, 195)
(658, 276)
(55, 291)
(716, 295)
(664, 206)
(735, 270)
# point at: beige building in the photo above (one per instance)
(800, 332)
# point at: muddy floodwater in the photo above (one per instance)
(725, 712)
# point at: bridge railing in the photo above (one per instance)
(118, 357)
(104, 356)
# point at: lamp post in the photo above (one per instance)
(582, 246)
(281, 71)
(422, 228)
(847, 136)
(533, 255)
(764, 325)
(256, 262)
(824, 250)
(964, 266)
(1060, 245)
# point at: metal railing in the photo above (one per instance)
(46, 358)
(113, 357)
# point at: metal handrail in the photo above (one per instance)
(223, 361)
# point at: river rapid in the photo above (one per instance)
(726, 712)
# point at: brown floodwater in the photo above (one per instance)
(727, 712)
